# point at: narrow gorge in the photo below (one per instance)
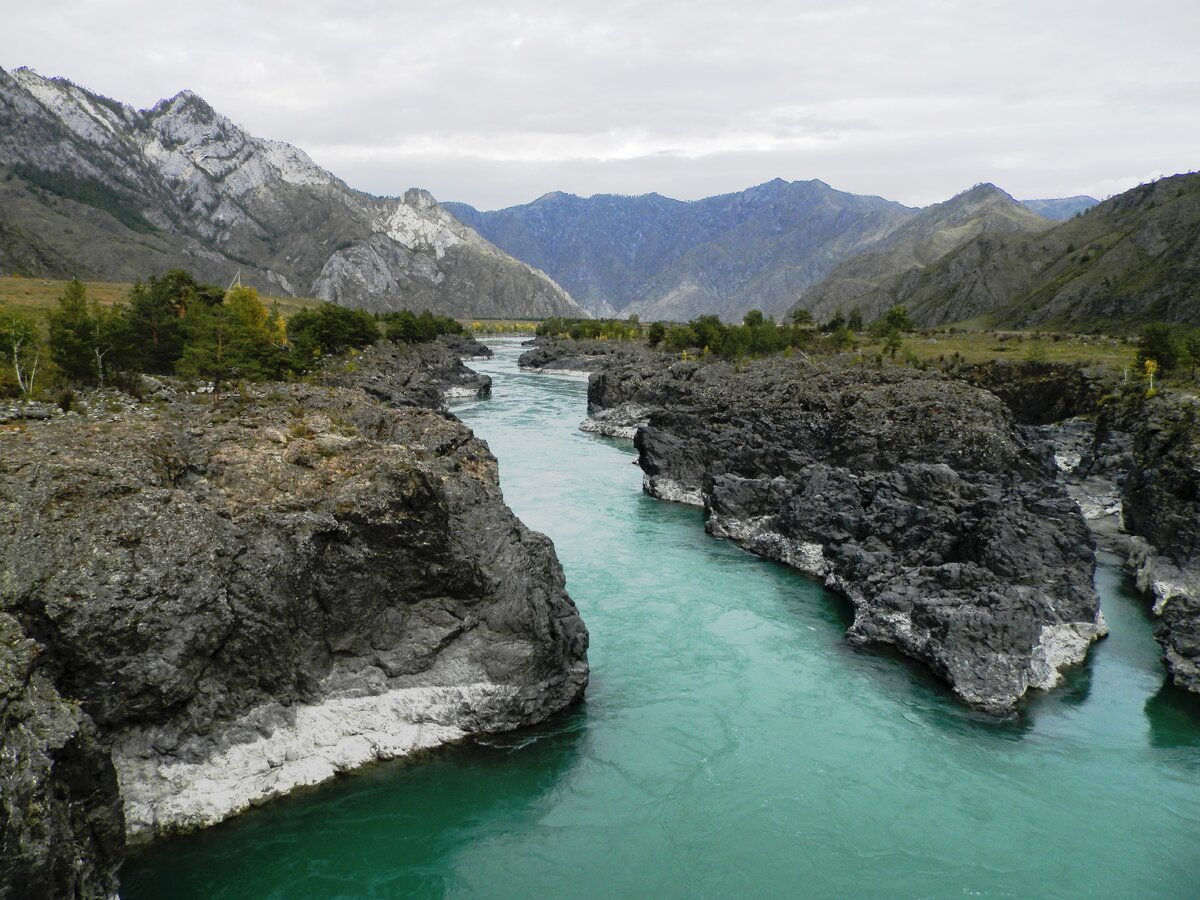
(732, 740)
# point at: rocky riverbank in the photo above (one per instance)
(1159, 436)
(913, 495)
(1129, 462)
(209, 602)
(554, 356)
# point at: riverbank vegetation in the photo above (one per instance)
(1174, 348)
(174, 325)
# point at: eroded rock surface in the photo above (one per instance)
(212, 602)
(1160, 497)
(913, 495)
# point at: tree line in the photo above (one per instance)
(174, 325)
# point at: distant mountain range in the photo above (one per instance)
(1133, 258)
(923, 239)
(95, 188)
(1061, 209)
(761, 248)
(670, 259)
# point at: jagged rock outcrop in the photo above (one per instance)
(209, 603)
(97, 188)
(1041, 393)
(577, 357)
(1160, 498)
(913, 495)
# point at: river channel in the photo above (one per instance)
(732, 744)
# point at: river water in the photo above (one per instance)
(731, 743)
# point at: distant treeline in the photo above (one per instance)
(757, 335)
(591, 329)
(174, 325)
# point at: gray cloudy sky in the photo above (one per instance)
(495, 103)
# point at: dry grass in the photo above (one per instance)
(983, 346)
(37, 296)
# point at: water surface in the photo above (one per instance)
(732, 744)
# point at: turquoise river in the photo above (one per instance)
(731, 743)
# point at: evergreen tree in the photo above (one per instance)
(897, 318)
(330, 328)
(237, 338)
(1163, 344)
(73, 335)
(801, 316)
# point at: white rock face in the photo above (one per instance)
(415, 229)
(163, 794)
(619, 422)
(562, 373)
(663, 488)
(759, 536)
(1059, 646)
(1158, 577)
(72, 106)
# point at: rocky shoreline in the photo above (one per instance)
(1133, 472)
(912, 495)
(211, 601)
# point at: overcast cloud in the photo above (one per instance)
(496, 103)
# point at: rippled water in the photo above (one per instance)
(731, 743)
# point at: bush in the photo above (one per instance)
(406, 328)
(330, 329)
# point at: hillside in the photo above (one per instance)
(95, 188)
(928, 236)
(1133, 258)
(669, 259)
(1062, 208)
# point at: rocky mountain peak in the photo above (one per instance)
(218, 200)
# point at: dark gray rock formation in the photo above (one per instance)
(1041, 393)
(578, 357)
(913, 495)
(422, 375)
(207, 604)
(1160, 496)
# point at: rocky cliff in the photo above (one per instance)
(913, 495)
(97, 188)
(209, 603)
(1159, 438)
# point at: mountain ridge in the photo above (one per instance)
(928, 236)
(667, 258)
(220, 200)
(1133, 258)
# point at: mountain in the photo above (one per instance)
(97, 188)
(1133, 258)
(1062, 208)
(670, 259)
(925, 238)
